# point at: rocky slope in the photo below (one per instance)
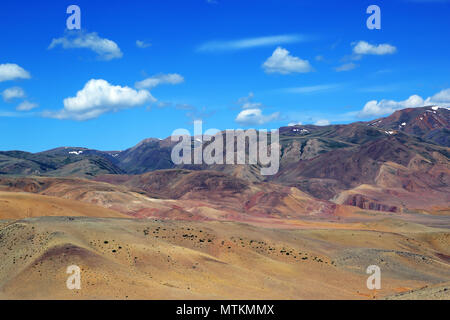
(398, 159)
(430, 123)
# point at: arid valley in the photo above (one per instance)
(346, 197)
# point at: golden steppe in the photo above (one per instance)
(147, 258)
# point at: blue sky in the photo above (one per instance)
(145, 68)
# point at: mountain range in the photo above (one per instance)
(380, 165)
(346, 197)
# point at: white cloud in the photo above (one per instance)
(163, 104)
(378, 108)
(250, 43)
(26, 106)
(9, 114)
(346, 67)
(105, 48)
(282, 62)
(441, 99)
(251, 105)
(149, 83)
(11, 71)
(255, 117)
(246, 99)
(98, 97)
(13, 93)
(322, 122)
(291, 124)
(252, 113)
(383, 107)
(363, 47)
(142, 44)
(247, 103)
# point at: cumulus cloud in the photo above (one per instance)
(11, 71)
(441, 99)
(292, 124)
(149, 83)
(383, 107)
(346, 67)
(99, 97)
(251, 42)
(282, 62)
(13, 93)
(252, 112)
(26, 106)
(142, 44)
(255, 117)
(363, 47)
(105, 48)
(378, 108)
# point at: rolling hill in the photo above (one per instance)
(345, 197)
